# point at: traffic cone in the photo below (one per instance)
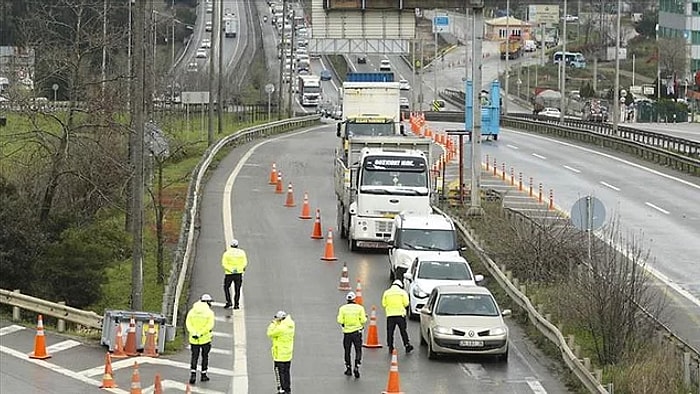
(157, 386)
(329, 254)
(273, 174)
(358, 293)
(130, 347)
(118, 351)
(316, 233)
(108, 378)
(135, 380)
(393, 386)
(40, 342)
(305, 209)
(290, 197)
(372, 335)
(149, 349)
(278, 186)
(344, 284)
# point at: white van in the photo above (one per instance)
(530, 46)
(385, 65)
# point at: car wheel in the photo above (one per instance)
(410, 314)
(431, 353)
(341, 227)
(503, 357)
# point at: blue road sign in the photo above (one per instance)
(441, 21)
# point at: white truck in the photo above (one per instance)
(231, 27)
(370, 109)
(377, 178)
(309, 89)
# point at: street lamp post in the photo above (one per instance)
(505, 101)
(616, 93)
(562, 69)
(475, 208)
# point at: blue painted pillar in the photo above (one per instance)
(469, 106)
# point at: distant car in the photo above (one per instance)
(404, 104)
(201, 54)
(385, 65)
(570, 18)
(404, 85)
(362, 59)
(326, 75)
(207, 26)
(463, 320)
(550, 113)
(206, 43)
(192, 67)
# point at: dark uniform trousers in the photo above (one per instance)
(351, 339)
(391, 323)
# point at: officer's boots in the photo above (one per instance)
(193, 378)
(357, 370)
(348, 370)
(204, 377)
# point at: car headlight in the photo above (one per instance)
(442, 330)
(498, 331)
(418, 292)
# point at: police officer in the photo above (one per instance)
(234, 262)
(200, 324)
(395, 301)
(352, 317)
(281, 333)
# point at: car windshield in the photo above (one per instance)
(444, 270)
(466, 305)
(421, 239)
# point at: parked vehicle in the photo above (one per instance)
(512, 47)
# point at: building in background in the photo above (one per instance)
(17, 66)
(681, 19)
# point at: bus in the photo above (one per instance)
(572, 59)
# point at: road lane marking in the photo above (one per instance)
(129, 363)
(175, 385)
(222, 334)
(658, 208)
(65, 345)
(239, 380)
(535, 385)
(10, 329)
(539, 156)
(60, 370)
(572, 169)
(512, 147)
(617, 189)
(476, 371)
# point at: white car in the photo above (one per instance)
(206, 43)
(550, 113)
(192, 67)
(464, 320)
(570, 18)
(385, 65)
(207, 26)
(201, 54)
(404, 85)
(435, 269)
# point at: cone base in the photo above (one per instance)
(305, 217)
(120, 355)
(372, 346)
(393, 392)
(329, 258)
(40, 357)
(317, 237)
(290, 205)
(154, 355)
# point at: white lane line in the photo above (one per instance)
(539, 156)
(222, 334)
(65, 345)
(239, 381)
(175, 385)
(129, 363)
(572, 169)
(332, 81)
(10, 329)
(512, 147)
(535, 386)
(617, 189)
(656, 207)
(60, 370)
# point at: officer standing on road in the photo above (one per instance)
(395, 301)
(234, 262)
(281, 333)
(352, 317)
(200, 324)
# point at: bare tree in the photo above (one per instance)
(672, 54)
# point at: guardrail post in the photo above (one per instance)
(61, 325)
(515, 282)
(577, 351)
(487, 163)
(520, 181)
(16, 312)
(551, 199)
(509, 275)
(587, 363)
(531, 180)
(548, 317)
(495, 167)
(503, 171)
(512, 176)
(686, 368)
(598, 375)
(523, 289)
(539, 198)
(570, 341)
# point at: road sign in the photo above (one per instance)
(195, 97)
(441, 24)
(269, 88)
(588, 213)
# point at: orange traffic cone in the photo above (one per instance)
(305, 209)
(358, 293)
(130, 347)
(316, 233)
(108, 378)
(40, 342)
(329, 254)
(118, 351)
(278, 185)
(393, 386)
(290, 197)
(149, 350)
(273, 174)
(135, 380)
(372, 335)
(344, 284)
(157, 386)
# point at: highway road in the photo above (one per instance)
(689, 131)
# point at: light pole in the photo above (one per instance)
(475, 208)
(616, 93)
(658, 72)
(505, 101)
(562, 69)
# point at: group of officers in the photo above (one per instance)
(352, 318)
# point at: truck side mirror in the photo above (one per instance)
(337, 130)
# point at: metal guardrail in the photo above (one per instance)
(183, 259)
(58, 310)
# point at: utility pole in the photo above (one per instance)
(420, 84)
(212, 72)
(137, 183)
(291, 64)
(413, 74)
(507, 87)
(475, 208)
(104, 46)
(562, 69)
(219, 89)
(172, 34)
(435, 63)
(616, 93)
(149, 81)
(282, 57)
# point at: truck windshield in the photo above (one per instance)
(370, 129)
(394, 178)
(312, 89)
(421, 239)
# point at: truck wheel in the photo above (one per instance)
(352, 244)
(340, 215)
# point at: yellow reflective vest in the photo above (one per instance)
(352, 317)
(234, 261)
(200, 323)
(281, 333)
(395, 301)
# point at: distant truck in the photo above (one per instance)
(370, 108)
(309, 90)
(512, 48)
(231, 27)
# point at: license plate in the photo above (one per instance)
(372, 244)
(471, 343)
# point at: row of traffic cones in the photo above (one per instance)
(109, 383)
(129, 350)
